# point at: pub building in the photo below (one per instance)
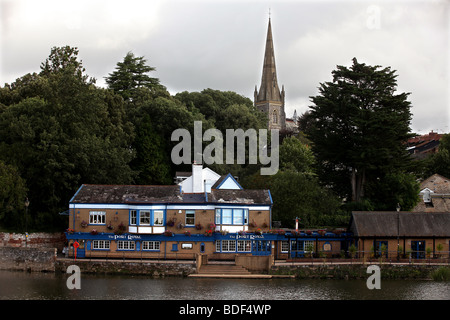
(205, 214)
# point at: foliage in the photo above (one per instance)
(130, 75)
(12, 197)
(358, 126)
(59, 130)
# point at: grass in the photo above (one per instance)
(441, 274)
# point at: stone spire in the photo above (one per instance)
(269, 99)
(269, 90)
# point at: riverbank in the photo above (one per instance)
(47, 260)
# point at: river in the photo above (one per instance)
(50, 286)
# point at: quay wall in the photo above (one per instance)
(148, 268)
(355, 271)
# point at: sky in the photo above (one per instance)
(219, 44)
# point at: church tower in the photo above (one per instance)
(269, 99)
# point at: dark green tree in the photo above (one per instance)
(358, 125)
(130, 75)
(12, 197)
(60, 131)
(439, 162)
(152, 161)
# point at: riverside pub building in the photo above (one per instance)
(204, 214)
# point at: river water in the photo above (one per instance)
(50, 286)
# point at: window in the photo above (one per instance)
(309, 246)
(275, 117)
(227, 215)
(217, 246)
(125, 245)
(97, 217)
(238, 216)
(144, 217)
(100, 245)
(151, 245)
(133, 217)
(190, 218)
(228, 246)
(232, 216)
(244, 245)
(217, 216)
(186, 246)
(284, 246)
(158, 218)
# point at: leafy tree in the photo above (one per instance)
(131, 75)
(152, 161)
(60, 130)
(294, 155)
(439, 162)
(12, 196)
(358, 126)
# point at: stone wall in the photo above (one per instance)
(35, 240)
(148, 268)
(28, 259)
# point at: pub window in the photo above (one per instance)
(238, 216)
(308, 246)
(228, 246)
(144, 217)
(190, 218)
(125, 245)
(97, 217)
(151, 245)
(284, 246)
(217, 216)
(100, 245)
(227, 215)
(133, 217)
(158, 218)
(244, 245)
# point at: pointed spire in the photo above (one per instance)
(269, 90)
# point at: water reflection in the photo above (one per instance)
(35, 286)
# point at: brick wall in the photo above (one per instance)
(35, 240)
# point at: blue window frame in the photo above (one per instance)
(236, 216)
(147, 217)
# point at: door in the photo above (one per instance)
(418, 249)
(261, 248)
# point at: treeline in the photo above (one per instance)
(58, 130)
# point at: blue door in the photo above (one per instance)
(261, 247)
(418, 249)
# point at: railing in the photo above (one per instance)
(360, 256)
(142, 256)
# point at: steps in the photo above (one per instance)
(223, 269)
(227, 270)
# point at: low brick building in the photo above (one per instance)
(400, 234)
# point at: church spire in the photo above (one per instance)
(269, 90)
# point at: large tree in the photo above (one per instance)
(131, 75)
(359, 125)
(60, 130)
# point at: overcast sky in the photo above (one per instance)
(219, 44)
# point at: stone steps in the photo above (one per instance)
(223, 269)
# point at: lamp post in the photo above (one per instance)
(398, 231)
(27, 203)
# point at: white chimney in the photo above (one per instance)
(197, 178)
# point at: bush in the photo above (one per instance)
(441, 274)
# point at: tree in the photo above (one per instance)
(131, 75)
(439, 162)
(12, 196)
(152, 161)
(294, 155)
(59, 131)
(358, 126)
